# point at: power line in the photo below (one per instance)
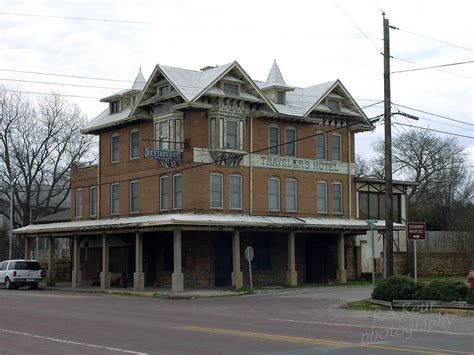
(359, 29)
(45, 93)
(63, 84)
(436, 39)
(432, 67)
(80, 18)
(434, 130)
(435, 114)
(440, 70)
(65, 75)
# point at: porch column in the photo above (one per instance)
(177, 279)
(237, 278)
(341, 268)
(105, 274)
(291, 274)
(51, 273)
(138, 275)
(27, 247)
(76, 263)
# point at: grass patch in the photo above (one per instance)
(363, 305)
(453, 278)
(335, 284)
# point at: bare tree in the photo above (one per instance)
(373, 168)
(41, 140)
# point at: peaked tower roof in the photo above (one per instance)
(139, 82)
(275, 78)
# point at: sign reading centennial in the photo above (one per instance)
(416, 230)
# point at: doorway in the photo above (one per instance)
(223, 261)
(321, 259)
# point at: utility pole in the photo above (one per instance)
(10, 239)
(388, 252)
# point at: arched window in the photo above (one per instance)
(322, 197)
(321, 146)
(290, 141)
(337, 197)
(115, 148)
(274, 140)
(235, 191)
(274, 193)
(217, 190)
(336, 147)
(291, 194)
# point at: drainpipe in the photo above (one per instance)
(250, 164)
(98, 185)
(349, 172)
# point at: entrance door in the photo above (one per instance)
(321, 259)
(223, 261)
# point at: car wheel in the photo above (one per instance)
(8, 284)
(34, 286)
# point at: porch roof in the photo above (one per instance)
(217, 220)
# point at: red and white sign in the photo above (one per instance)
(416, 231)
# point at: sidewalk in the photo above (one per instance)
(148, 292)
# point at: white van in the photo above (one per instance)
(16, 273)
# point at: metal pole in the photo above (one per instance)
(10, 240)
(414, 251)
(250, 271)
(388, 252)
(373, 253)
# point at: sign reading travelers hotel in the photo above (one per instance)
(202, 155)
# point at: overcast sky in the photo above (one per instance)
(312, 41)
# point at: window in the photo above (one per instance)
(163, 192)
(217, 193)
(134, 193)
(235, 182)
(133, 100)
(93, 201)
(177, 191)
(114, 107)
(231, 135)
(290, 137)
(334, 105)
(274, 194)
(322, 197)
(262, 247)
(321, 146)
(336, 147)
(231, 89)
(337, 197)
(115, 148)
(291, 194)
(164, 90)
(274, 140)
(226, 133)
(280, 97)
(372, 206)
(169, 134)
(134, 144)
(79, 203)
(115, 198)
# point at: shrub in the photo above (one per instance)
(442, 291)
(470, 296)
(394, 288)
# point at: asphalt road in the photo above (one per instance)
(292, 322)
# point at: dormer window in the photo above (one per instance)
(280, 99)
(164, 90)
(334, 105)
(114, 107)
(231, 89)
(133, 100)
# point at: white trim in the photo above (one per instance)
(135, 130)
(222, 190)
(276, 178)
(325, 197)
(230, 192)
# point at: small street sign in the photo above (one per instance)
(249, 253)
(416, 231)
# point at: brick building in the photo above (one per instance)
(194, 166)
